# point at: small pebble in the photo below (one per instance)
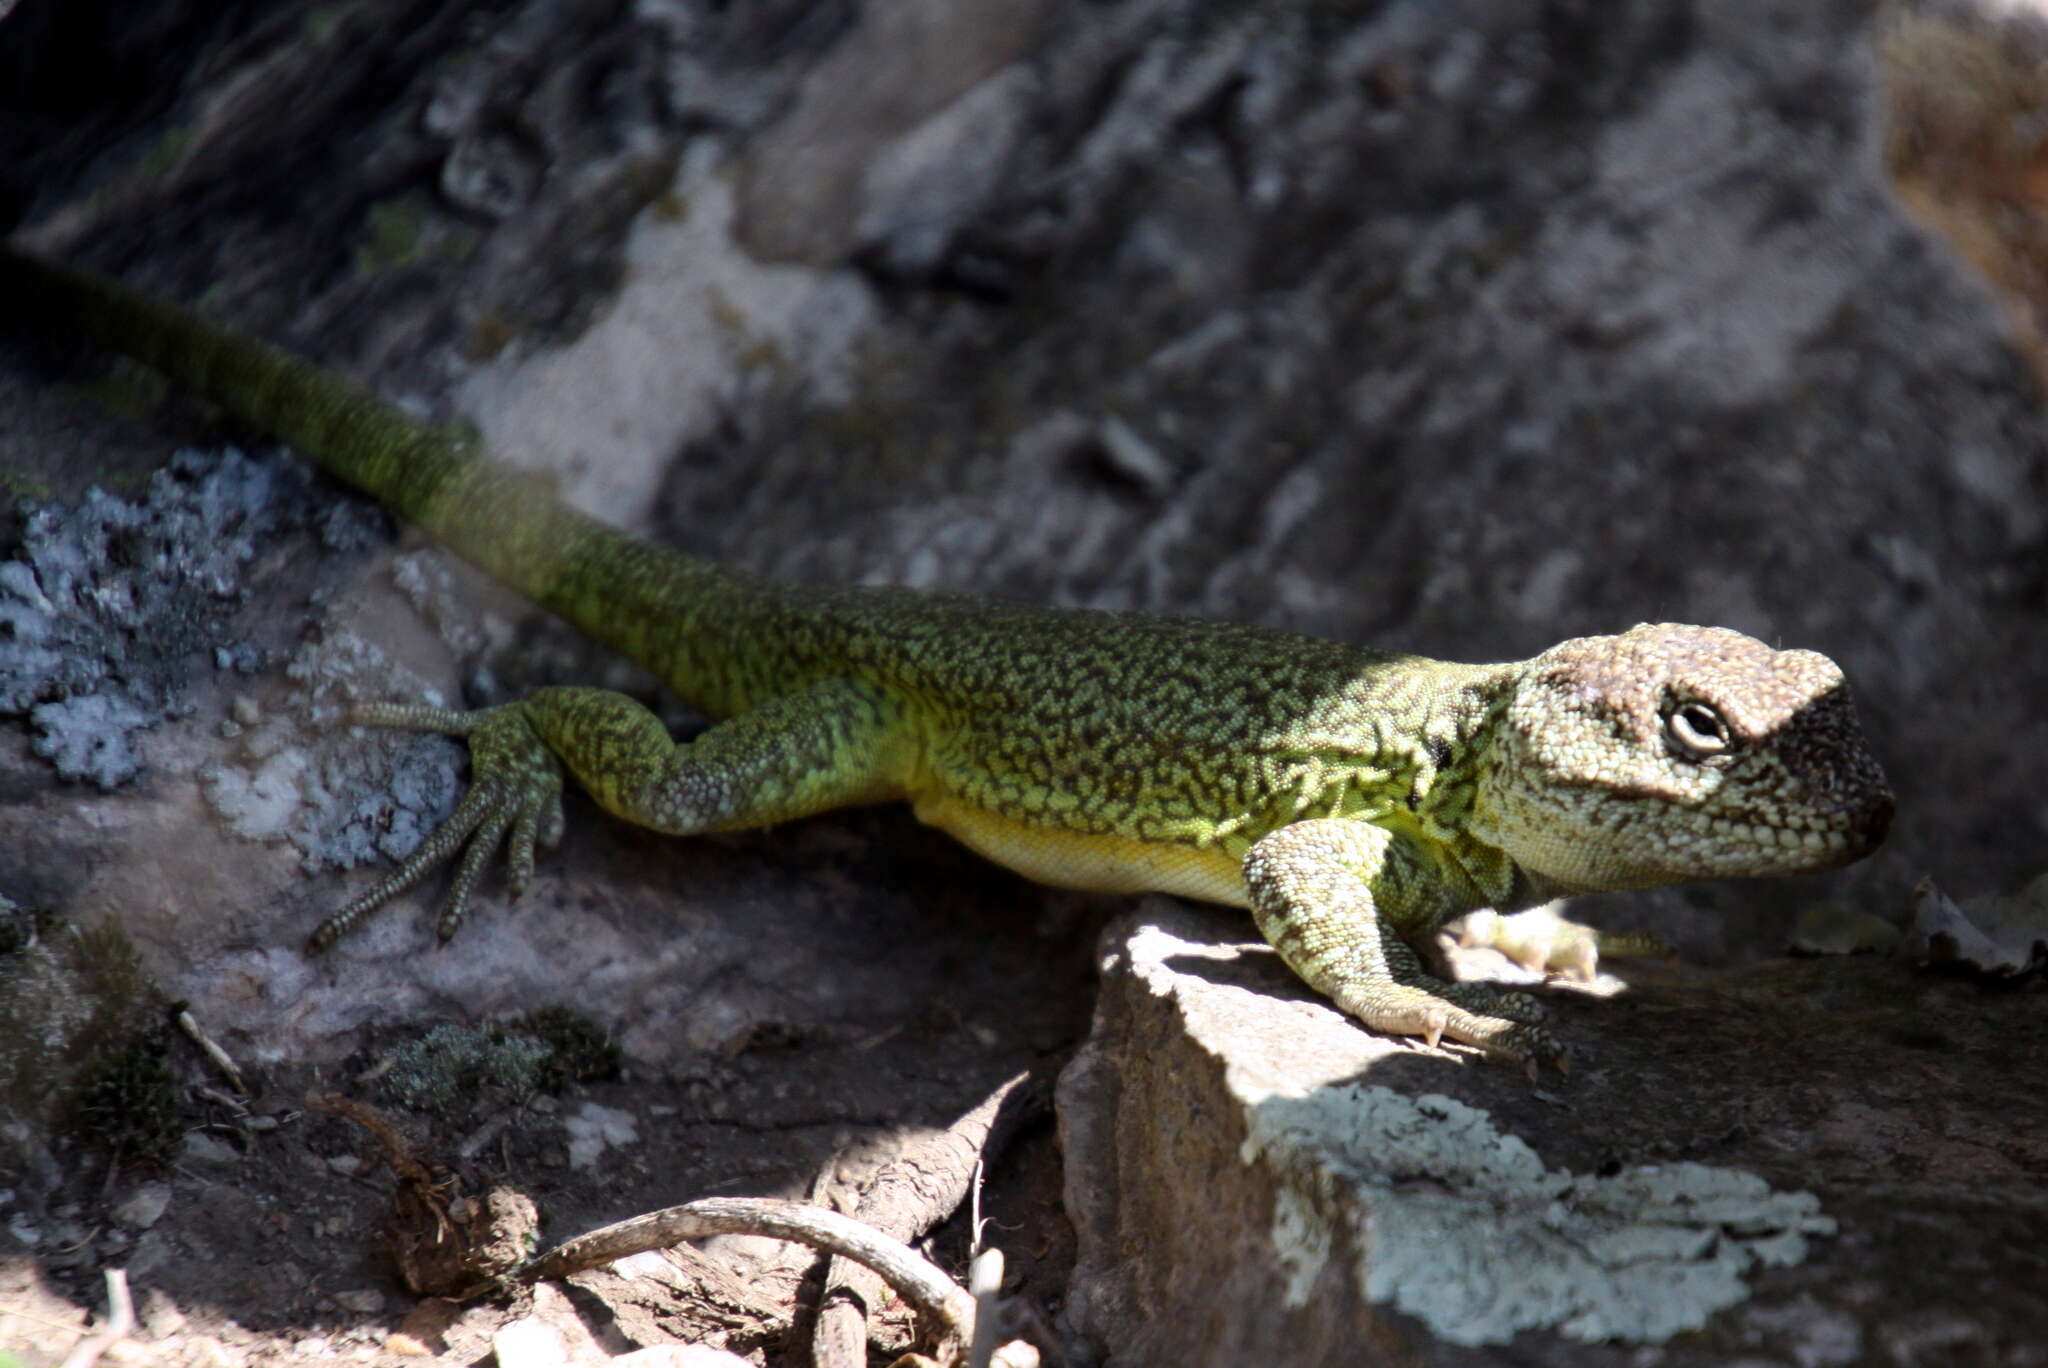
(366, 1301)
(144, 1207)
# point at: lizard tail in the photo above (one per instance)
(613, 587)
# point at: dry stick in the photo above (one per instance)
(120, 1318)
(916, 1279)
(190, 1026)
(839, 1337)
(912, 1194)
(985, 1281)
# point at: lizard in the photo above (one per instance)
(1353, 800)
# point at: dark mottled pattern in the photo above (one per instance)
(1166, 729)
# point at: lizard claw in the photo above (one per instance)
(1433, 1023)
(1545, 1051)
(1531, 1047)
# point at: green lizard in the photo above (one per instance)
(1354, 800)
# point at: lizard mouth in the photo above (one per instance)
(1819, 844)
(1868, 828)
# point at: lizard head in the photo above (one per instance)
(1672, 752)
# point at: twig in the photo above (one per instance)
(120, 1320)
(974, 1222)
(214, 1052)
(985, 1281)
(839, 1336)
(916, 1279)
(916, 1191)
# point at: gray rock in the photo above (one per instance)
(143, 1207)
(1252, 1178)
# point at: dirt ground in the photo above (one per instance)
(264, 1235)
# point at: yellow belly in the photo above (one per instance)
(1094, 864)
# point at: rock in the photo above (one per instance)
(679, 1356)
(529, 1343)
(363, 1301)
(144, 1207)
(1998, 935)
(1253, 1178)
(549, 1335)
(859, 116)
(201, 1148)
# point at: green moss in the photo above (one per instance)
(113, 970)
(320, 24)
(454, 1068)
(457, 1070)
(167, 152)
(582, 1051)
(405, 232)
(391, 235)
(16, 485)
(84, 1040)
(126, 1106)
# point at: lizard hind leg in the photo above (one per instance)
(830, 744)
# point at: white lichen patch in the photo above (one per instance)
(106, 602)
(1466, 1229)
(594, 1129)
(257, 802)
(344, 796)
(1303, 1239)
(697, 319)
(427, 580)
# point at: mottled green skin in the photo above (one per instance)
(1165, 729)
(1354, 800)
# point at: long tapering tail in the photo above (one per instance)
(616, 588)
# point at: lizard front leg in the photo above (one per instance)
(822, 747)
(1338, 899)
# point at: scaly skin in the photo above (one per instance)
(1353, 800)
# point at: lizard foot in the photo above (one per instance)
(1473, 1014)
(1532, 1047)
(1490, 1000)
(1543, 941)
(514, 803)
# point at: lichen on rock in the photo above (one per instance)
(109, 600)
(1466, 1228)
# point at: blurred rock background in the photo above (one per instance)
(1457, 327)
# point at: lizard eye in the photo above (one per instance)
(1698, 732)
